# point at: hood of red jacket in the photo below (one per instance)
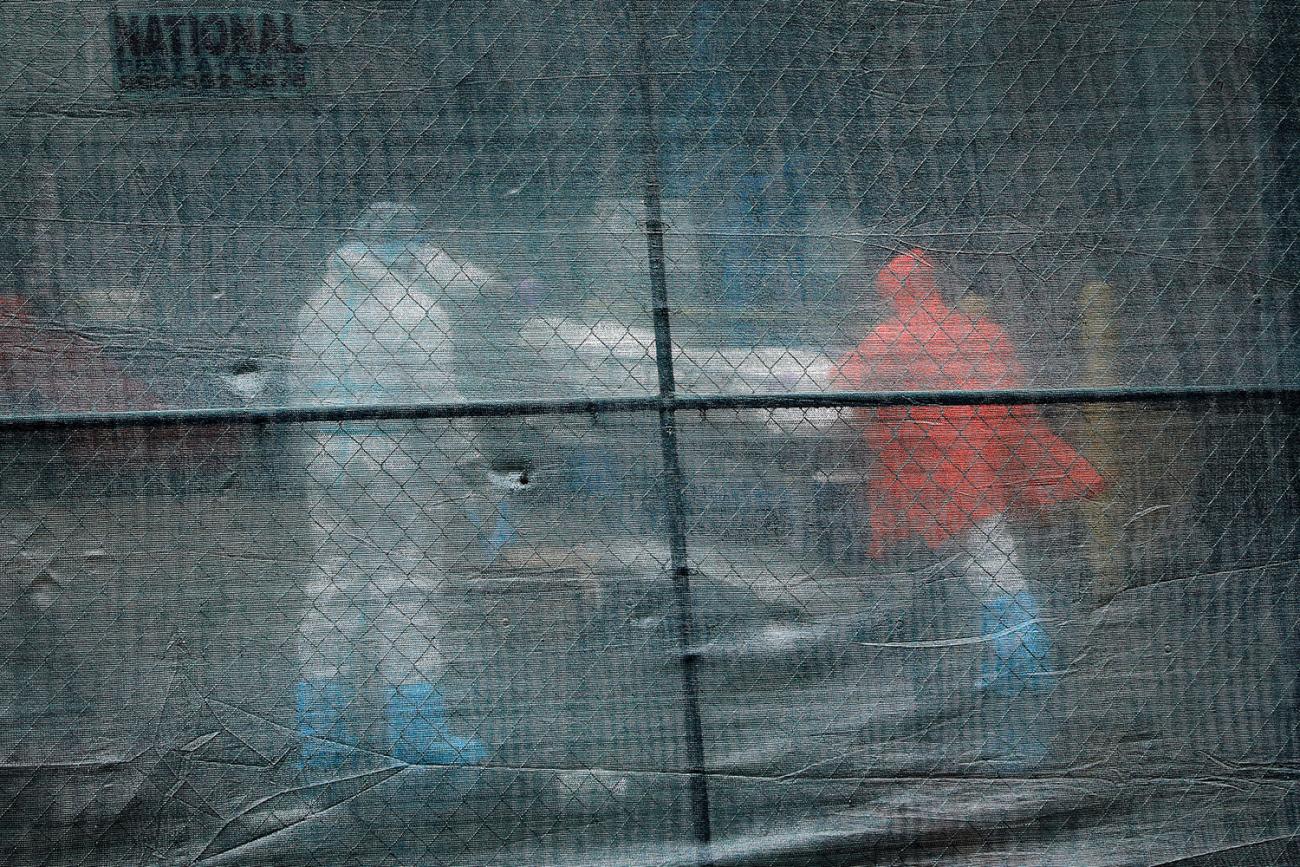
(907, 280)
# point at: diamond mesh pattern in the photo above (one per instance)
(516, 433)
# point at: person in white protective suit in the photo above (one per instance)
(384, 496)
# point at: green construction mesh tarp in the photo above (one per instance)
(848, 432)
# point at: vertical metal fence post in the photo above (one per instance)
(674, 502)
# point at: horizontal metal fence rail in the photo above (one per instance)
(592, 406)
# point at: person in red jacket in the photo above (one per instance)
(956, 477)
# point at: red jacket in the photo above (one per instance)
(942, 469)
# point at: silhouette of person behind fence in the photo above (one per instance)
(954, 476)
(382, 495)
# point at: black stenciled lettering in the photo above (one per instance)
(192, 25)
(216, 38)
(270, 36)
(173, 23)
(243, 34)
(153, 45)
(126, 36)
(178, 49)
(291, 46)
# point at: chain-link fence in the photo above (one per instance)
(855, 432)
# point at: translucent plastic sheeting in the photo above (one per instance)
(499, 631)
(1113, 181)
(158, 626)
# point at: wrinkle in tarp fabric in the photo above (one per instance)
(995, 634)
